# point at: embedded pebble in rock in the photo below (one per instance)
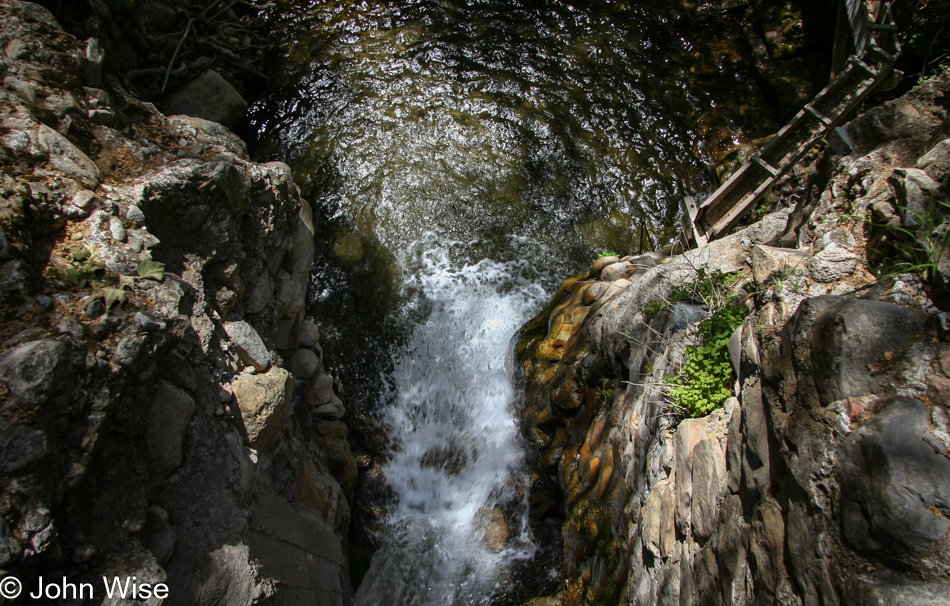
(135, 214)
(94, 308)
(224, 394)
(117, 229)
(84, 199)
(67, 158)
(37, 370)
(614, 272)
(309, 334)
(304, 363)
(601, 263)
(70, 326)
(832, 264)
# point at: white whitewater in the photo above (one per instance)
(457, 447)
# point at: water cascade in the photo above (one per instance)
(462, 157)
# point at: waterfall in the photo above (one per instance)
(457, 452)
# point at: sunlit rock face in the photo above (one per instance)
(824, 479)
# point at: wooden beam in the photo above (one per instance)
(839, 57)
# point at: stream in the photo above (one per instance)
(462, 158)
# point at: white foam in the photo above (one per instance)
(457, 446)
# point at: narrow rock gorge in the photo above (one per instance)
(302, 380)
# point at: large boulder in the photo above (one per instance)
(263, 401)
(211, 97)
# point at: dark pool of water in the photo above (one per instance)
(463, 158)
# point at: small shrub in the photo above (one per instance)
(705, 380)
(608, 253)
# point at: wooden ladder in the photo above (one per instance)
(876, 50)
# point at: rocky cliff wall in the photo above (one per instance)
(164, 413)
(826, 480)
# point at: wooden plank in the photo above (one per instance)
(852, 82)
(839, 56)
(765, 165)
(860, 25)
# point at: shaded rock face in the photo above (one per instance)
(210, 97)
(825, 480)
(148, 427)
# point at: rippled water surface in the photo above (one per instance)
(462, 159)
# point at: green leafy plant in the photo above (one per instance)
(608, 253)
(705, 380)
(605, 394)
(84, 268)
(151, 270)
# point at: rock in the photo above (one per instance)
(117, 230)
(613, 272)
(322, 391)
(127, 351)
(767, 546)
(936, 162)
(304, 363)
(67, 158)
(25, 90)
(832, 264)
(309, 334)
(135, 215)
(889, 588)
(895, 487)
(159, 19)
(84, 553)
(494, 527)
(211, 97)
(641, 261)
(601, 263)
(769, 262)
(850, 334)
(264, 401)
(94, 308)
(84, 199)
(684, 315)
(168, 417)
(37, 370)
(182, 373)
(94, 60)
(20, 448)
(249, 345)
(915, 190)
(708, 476)
(657, 522)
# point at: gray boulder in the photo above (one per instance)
(211, 97)
(895, 485)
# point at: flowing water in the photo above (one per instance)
(462, 159)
